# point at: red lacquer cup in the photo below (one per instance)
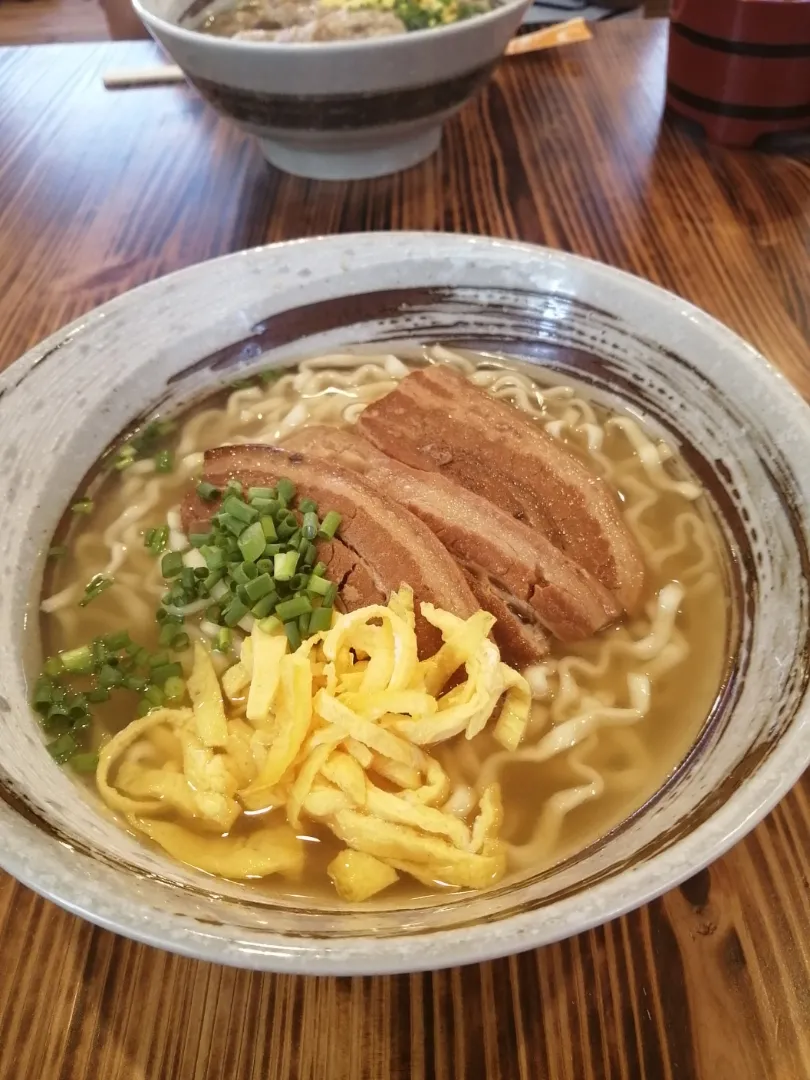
(740, 68)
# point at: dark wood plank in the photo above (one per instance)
(99, 192)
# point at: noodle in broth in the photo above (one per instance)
(612, 717)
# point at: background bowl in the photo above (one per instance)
(342, 110)
(737, 422)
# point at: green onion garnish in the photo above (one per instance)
(57, 552)
(330, 524)
(95, 587)
(224, 640)
(155, 540)
(83, 506)
(309, 528)
(171, 564)
(293, 635)
(291, 609)
(84, 763)
(78, 661)
(286, 489)
(252, 542)
(284, 565)
(320, 619)
(235, 611)
(207, 492)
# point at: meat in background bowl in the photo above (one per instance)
(339, 110)
(738, 426)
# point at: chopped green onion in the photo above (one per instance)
(207, 492)
(286, 489)
(308, 557)
(57, 552)
(171, 564)
(181, 642)
(330, 595)
(154, 695)
(159, 675)
(83, 506)
(261, 493)
(155, 540)
(309, 529)
(198, 540)
(175, 689)
(118, 641)
(268, 528)
(159, 659)
(264, 607)
(164, 461)
(286, 528)
(235, 611)
(136, 683)
(293, 635)
(291, 609)
(168, 632)
(125, 457)
(266, 506)
(63, 748)
(273, 549)
(271, 625)
(84, 763)
(237, 508)
(233, 487)
(99, 694)
(252, 542)
(307, 506)
(320, 619)
(78, 661)
(224, 640)
(213, 613)
(43, 693)
(95, 587)
(232, 524)
(259, 587)
(144, 707)
(318, 585)
(284, 565)
(214, 557)
(303, 624)
(53, 667)
(110, 676)
(319, 569)
(330, 524)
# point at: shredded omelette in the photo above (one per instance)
(334, 732)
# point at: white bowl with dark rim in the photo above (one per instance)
(736, 421)
(342, 110)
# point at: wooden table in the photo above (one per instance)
(101, 191)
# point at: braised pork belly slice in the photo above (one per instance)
(438, 422)
(379, 546)
(516, 573)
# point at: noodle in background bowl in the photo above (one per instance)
(339, 110)
(736, 422)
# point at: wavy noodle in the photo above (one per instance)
(591, 703)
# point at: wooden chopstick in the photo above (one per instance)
(168, 74)
(159, 75)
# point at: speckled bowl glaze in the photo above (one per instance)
(736, 420)
(341, 110)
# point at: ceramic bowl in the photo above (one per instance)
(340, 110)
(736, 420)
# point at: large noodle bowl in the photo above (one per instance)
(611, 717)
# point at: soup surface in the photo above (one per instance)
(611, 716)
(331, 20)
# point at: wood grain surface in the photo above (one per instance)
(100, 191)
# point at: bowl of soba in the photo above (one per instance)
(336, 89)
(384, 602)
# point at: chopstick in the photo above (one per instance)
(566, 33)
(130, 78)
